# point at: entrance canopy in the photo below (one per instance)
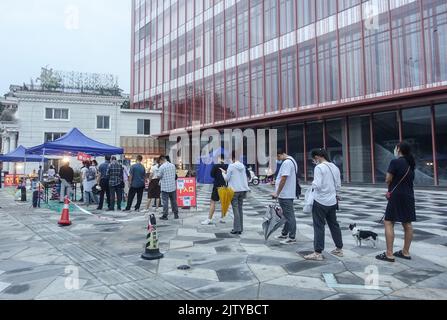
(20, 155)
(74, 142)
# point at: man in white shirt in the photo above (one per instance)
(286, 194)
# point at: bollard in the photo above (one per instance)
(152, 252)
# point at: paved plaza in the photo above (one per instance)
(38, 258)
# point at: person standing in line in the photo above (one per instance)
(51, 172)
(66, 175)
(219, 181)
(237, 180)
(104, 183)
(326, 186)
(137, 177)
(168, 186)
(401, 202)
(88, 181)
(116, 184)
(154, 190)
(286, 194)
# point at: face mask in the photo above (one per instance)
(315, 162)
(396, 153)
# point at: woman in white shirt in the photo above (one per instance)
(326, 185)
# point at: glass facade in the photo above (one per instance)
(224, 63)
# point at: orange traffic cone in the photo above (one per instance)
(65, 217)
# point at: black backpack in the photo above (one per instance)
(298, 190)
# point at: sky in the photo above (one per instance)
(70, 35)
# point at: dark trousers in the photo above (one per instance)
(35, 199)
(237, 204)
(322, 214)
(105, 191)
(165, 197)
(289, 212)
(131, 196)
(118, 191)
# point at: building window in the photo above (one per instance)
(56, 114)
(360, 149)
(328, 67)
(242, 26)
(407, 46)
(378, 57)
(270, 26)
(287, 14)
(230, 32)
(441, 142)
(336, 145)
(295, 145)
(219, 31)
(103, 122)
(435, 25)
(416, 127)
(256, 23)
(386, 137)
(52, 136)
(288, 79)
(144, 127)
(314, 140)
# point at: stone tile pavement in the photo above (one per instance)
(39, 260)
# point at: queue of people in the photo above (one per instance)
(111, 176)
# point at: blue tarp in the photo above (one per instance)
(205, 166)
(74, 142)
(18, 155)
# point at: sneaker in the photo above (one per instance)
(163, 218)
(289, 241)
(176, 217)
(338, 253)
(281, 237)
(207, 222)
(314, 257)
(222, 220)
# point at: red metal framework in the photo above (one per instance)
(175, 112)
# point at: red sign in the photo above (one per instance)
(83, 156)
(187, 192)
(12, 180)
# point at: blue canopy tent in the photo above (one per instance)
(20, 155)
(206, 165)
(74, 142)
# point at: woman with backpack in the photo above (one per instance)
(88, 182)
(401, 201)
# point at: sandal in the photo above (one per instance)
(384, 257)
(400, 254)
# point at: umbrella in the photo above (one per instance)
(226, 195)
(273, 220)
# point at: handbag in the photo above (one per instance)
(389, 193)
(308, 201)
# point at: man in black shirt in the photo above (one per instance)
(219, 181)
(66, 174)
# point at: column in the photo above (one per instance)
(12, 147)
(5, 151)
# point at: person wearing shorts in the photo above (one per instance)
(219, 181)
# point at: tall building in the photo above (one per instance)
(352, 76)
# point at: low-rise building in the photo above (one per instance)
(32, 115)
